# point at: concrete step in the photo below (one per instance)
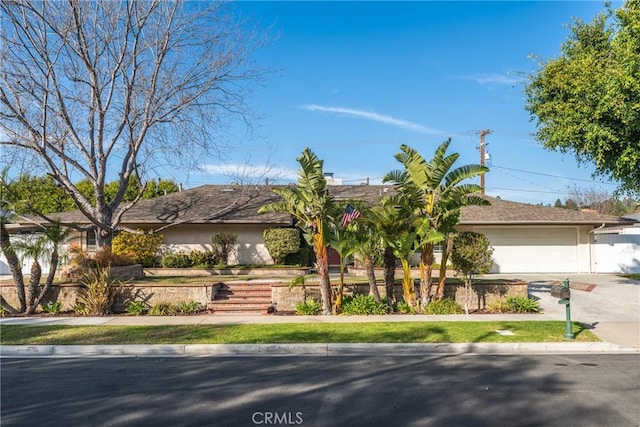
(239, 308)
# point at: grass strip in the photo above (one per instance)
(396, 332)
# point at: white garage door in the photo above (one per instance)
(534, 250)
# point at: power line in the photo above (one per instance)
(552, 176)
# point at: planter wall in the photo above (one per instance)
(163, 272)
(284, 299)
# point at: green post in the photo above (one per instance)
(568, 329)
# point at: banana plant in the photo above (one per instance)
(312, 208)
(437, 192)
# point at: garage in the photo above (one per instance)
(533, 249)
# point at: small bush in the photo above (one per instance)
(52, 308)
(523, 304)
(514, 304)
(176, 260)
(188, 307)
(3, 311)
(308, 307)
(500, 305)
(162, 309)
(98, 291)
(443, 306)
(404, 308)
(80, 309)
(106, 258)
(78, 257)
(141, 247)
(280, 242)
(202, 259)
(224, 245)
(363, 305)
(136, 308)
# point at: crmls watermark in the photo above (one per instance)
(277, 418)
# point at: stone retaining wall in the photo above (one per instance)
(482, 294)
(284, 299)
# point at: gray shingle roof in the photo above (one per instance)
(211, 204)
(505, 212)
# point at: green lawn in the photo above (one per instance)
(396, 332)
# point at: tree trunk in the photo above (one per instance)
(389, 275)
(34, 284)
(14, 265)
(322, 265)
(426, 271)
(467, 295)
(337, 308)
(53, 266)
(442, 277)
(408, 288)
(371, 277)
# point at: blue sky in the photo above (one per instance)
(354, 80)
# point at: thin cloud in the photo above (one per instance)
(499, 79)
(369, 115)
(249, 171)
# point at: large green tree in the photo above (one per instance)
(41, 195)
(99, 90)
(313, 209)
(586, 101)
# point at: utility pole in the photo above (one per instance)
(483, 133)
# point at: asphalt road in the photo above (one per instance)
(435, 390)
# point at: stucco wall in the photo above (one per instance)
(250, 248)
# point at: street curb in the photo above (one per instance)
(325, 350)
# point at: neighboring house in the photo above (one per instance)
(525, 238)
(27, 262)
(617, 249)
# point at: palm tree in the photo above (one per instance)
(437, 192)
(362, 237)
(313, 209)
(36, 247)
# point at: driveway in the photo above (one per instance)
(607, 302)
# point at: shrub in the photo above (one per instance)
(443, 306)
(514, 304)
(140, 247)
(188, 307)
(223, 246)
(52, 308)
(176, 260)
(98, 291)
(3, 311)
(522, 304)
(471, 255)
(106, 258)
(280, 242)
(203, 259)
(363, 305)
(405, 308)
(500, 305)
(136, 308)
(80, 309)
(308, 307)
(78, 257)
(162, 309)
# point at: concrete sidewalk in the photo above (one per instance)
(611, 309)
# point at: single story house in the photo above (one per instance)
(617, 249)
(526, 238)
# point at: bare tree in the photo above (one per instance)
(598, 199)
(103, 89)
